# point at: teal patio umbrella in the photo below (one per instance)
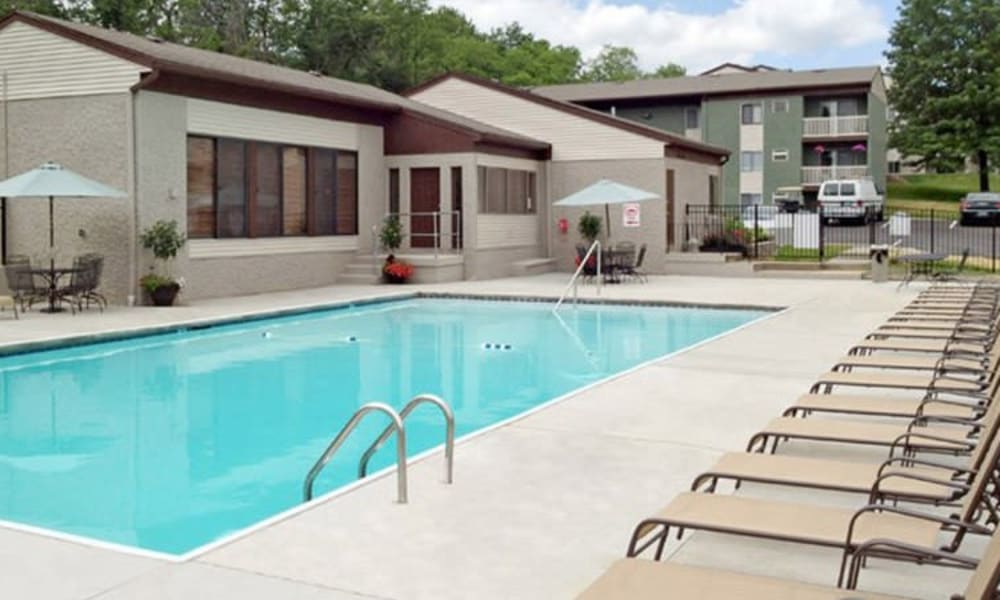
(606, 192)
(51, 180)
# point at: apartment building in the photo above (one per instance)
(783, 128)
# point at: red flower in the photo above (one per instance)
(399, 269)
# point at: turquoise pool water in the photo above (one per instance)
(168, 442)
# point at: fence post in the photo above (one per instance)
(933, 227)
(756, 221)
(993, 239)
(872, 221)
(822, 226)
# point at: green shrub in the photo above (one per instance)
(589, 227)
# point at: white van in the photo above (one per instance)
(850, 199)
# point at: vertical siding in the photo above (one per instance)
(572, 137)
(217, 118)
(721, 126)
(878, 139)
(40, 64)
(783, 131)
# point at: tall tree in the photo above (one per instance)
(946, 80)
(667, 71)
(613, 63)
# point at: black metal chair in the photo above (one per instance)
(82, 287)
(21, 283)
(589, 271)
(633, 269)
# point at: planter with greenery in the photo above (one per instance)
(589, 227)
(164, 239)
(396, 271)
(391, 234)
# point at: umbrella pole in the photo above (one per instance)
(607, 219)
(52, 236)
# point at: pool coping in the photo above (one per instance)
(82, 339)
(207, 322)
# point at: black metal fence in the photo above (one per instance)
(768, 233)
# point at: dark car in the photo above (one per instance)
(980, 207)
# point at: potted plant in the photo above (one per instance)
(391, 234)
(164, 239)
(396, 271)
(589, 227)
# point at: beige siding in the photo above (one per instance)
(572, 137)
(506, 231)
(40, 64)
(228, 120)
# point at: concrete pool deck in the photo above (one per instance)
(541, 506)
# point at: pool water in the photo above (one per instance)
(168, 442)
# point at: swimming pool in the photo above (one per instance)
(168, 442)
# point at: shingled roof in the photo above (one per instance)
(708, 85)
(159, 55)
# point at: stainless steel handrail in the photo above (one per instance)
(576, 275)
(396, 425)
(449, 436)
(454, 236)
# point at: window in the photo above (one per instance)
(293, 191)
(201, 187)
(779, 106)
(346, 214)
(506, 191)
(692, 117)
(750, 114)
(751, 161)
(830, 189)
(394, 191)
(779, 154)
(266, 209)
(894, 166)
(750, 199)
(239, 188)
(847, 189)
(231, 189)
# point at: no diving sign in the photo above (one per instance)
(631, 217)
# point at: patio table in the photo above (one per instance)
(52, 275)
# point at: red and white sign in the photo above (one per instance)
(631, 217)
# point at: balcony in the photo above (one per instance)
(817, 175)
(831, 127)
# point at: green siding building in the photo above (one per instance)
(785, 129)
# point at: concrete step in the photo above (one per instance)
(778, 265)
(361, 279)
(703, 257)
(360, 269)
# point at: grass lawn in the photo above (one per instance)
(791, 254)
(940, 191)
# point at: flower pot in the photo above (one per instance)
(164, 295)
(390, 278)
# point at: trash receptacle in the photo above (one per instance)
(879, 254)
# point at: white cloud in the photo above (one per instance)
(697, 41)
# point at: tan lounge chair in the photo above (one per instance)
(815, 525)
(897, 478)
(885, 406)
(886, 379)
(868, 346)
(637, 579)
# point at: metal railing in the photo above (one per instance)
(449, 435)
(396, 425)
(845, 233)
(438, 238)
(834, 126)
(817, 175)
(573, 282)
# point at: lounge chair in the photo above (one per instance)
(9, 302)
(925, 432)
(636, 579)
(896, 478)
(633, 270)
(826, 526)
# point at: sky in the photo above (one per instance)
(698, 34)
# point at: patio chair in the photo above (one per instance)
(634, 269)
(846, 529)
(957, 273)
(647, 580)
(589, 271)
(21, 282)
(81, 290)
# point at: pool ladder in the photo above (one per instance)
(397, 426)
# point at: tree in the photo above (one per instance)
(667, 71)
(946, 80)
(613, 63)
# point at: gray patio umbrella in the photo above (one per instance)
(606, 192)
(51, 180)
